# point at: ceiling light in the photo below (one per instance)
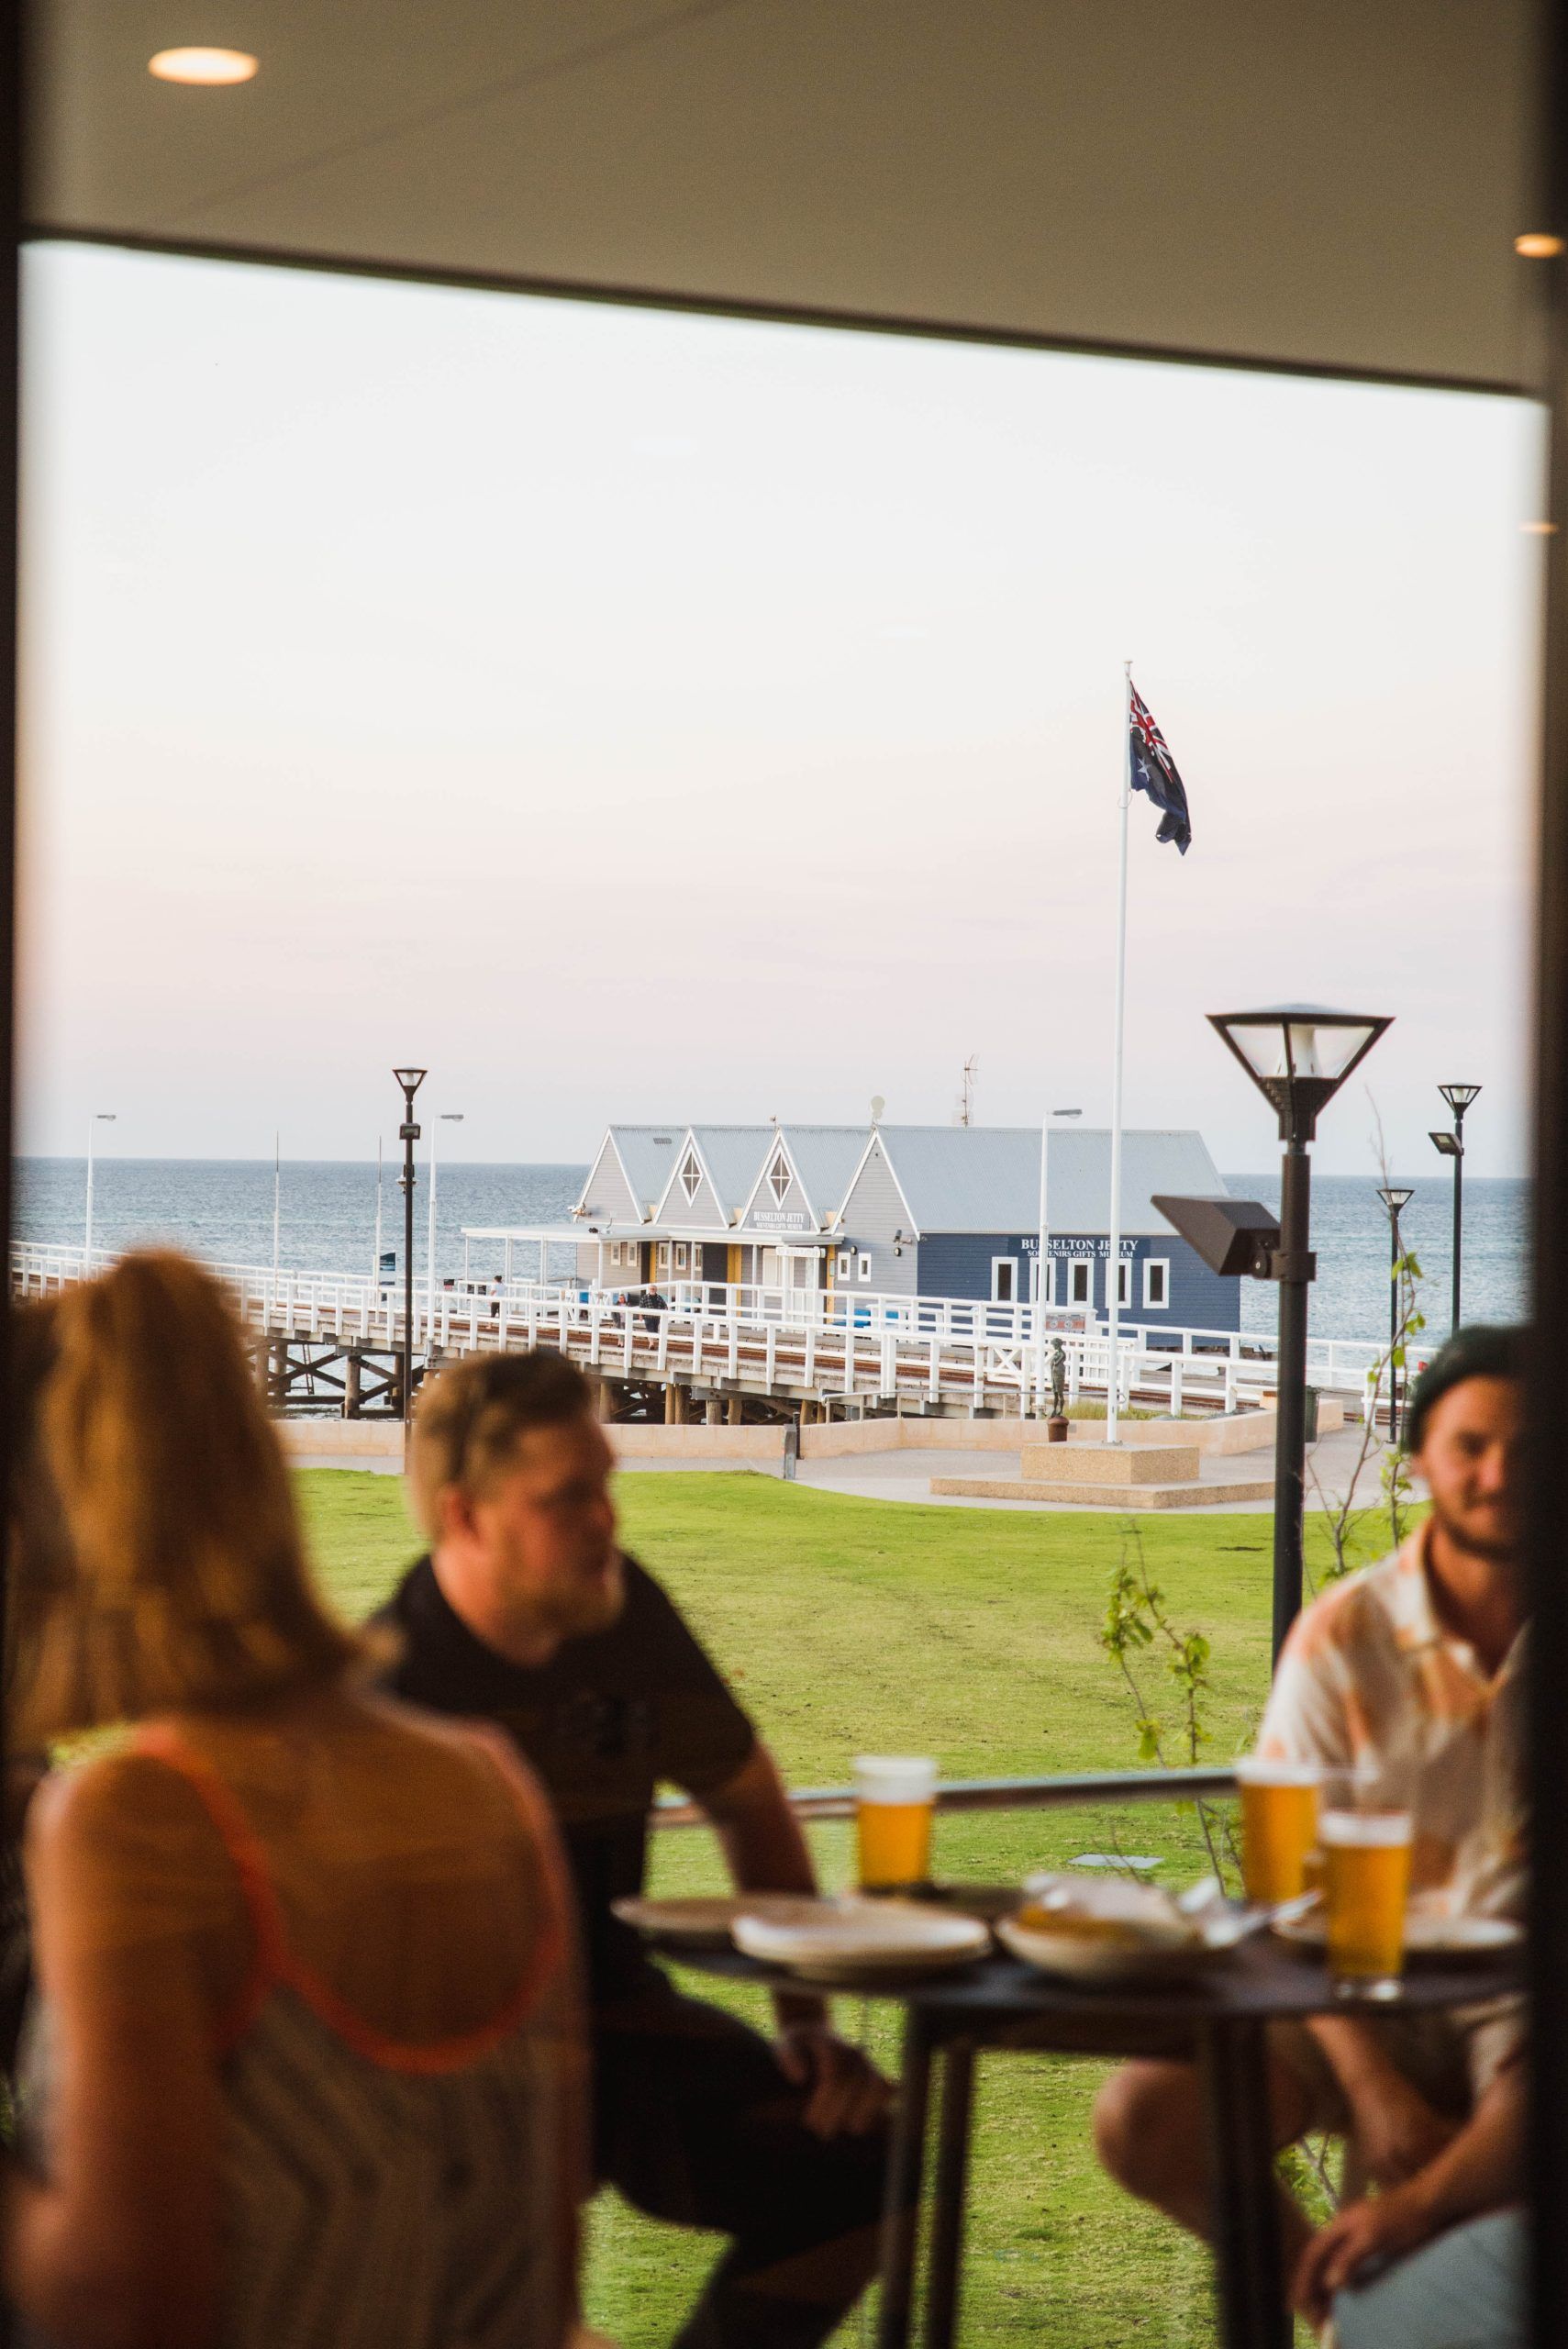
(1539, 529)
(1539, 245)
(205, 67)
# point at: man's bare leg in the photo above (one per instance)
(1151, 2133)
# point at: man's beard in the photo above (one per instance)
(591, 1605)
(1498, 1550)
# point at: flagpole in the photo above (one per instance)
(1113, 1268)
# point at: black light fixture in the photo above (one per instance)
(410, 1079)
(1297, 1056)
(1396, 1198)
(1451, 1145)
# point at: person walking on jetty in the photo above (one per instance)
(304, 2064)
(525, 1613)
(1410, 1672)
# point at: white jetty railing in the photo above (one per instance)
(854, 1344)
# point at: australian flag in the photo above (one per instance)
(1154, 770)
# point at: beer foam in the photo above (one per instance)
(894, 1778)
(1372, 1830)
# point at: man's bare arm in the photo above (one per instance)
(766, 1852)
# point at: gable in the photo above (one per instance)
(689, 1199)
(606, 1196)
(778, 1202)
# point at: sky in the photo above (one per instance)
(635, 715)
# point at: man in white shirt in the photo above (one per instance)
(1411, 1668)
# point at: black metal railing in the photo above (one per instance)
(1056, 1793)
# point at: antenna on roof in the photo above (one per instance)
(877, 1106)
(963, 1115)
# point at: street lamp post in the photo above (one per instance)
(98, 1118)
(1395, 1200)
(1297, 1056)
(410, 1079)
(446, 1118)
(1451, 1145)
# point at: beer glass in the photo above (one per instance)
(1279, 1826)
(895, 1796)
(1366, 1873)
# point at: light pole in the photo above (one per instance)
(1451, 1145)
(98, 1118)
(446, 1118)
(410, 1079)
(1297, 1056)
(1395, 1200)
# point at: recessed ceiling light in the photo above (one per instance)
(209, 69)
(1539, 245)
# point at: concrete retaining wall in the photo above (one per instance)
(343, 1438)
(636, 1442)
(842, 1440)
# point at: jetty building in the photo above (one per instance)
(934, 1211)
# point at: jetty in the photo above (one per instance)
(719, 1354)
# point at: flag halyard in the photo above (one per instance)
(1153, 771)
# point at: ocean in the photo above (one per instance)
(222, 1210)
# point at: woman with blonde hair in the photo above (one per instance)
(305, 2067)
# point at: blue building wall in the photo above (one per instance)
(958, 1263)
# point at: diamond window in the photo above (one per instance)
(691, 1176)
(778, 1177)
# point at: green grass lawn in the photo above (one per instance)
(848, 1626)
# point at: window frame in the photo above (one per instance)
(844, 1269)
(864, 1273)
(690, 1176)
(1050, 1264)
(1008, 1267)
(1161, 1264)
(780, 1169)
(1081, 1280)
(683, 1256)
(1123, 1285)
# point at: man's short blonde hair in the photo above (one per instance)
(469, 1419)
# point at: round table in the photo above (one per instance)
(1218, 2017)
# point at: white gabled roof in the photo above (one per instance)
(732, 1155)
(646, 1155)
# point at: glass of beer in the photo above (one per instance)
(1366, 1873)
(894, 1797)
(1279, 1826)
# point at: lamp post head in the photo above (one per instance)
(1395, 1199)
(105, 1116)
(410, 1079)
(1298, 1055)
(1448, 1144)
(1458, 1096)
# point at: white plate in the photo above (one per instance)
(1428, 1934)
(708, 1922)
(1097, 1958)
(859, 1941)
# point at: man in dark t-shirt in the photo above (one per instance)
(525, 1613)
